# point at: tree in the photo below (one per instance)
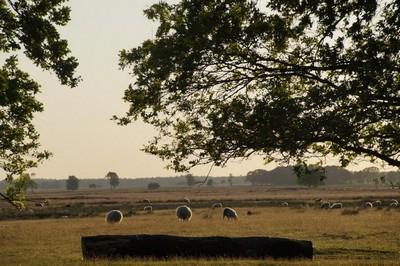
(72, 183)
(257, 177)
(29, 27)
(280, 176)
(370, 173)
(190, 180)
(113, 178)
(227, 79)
(338, 175)
(17, 190)
(153, 185)
(311, 176)
(230, 179)
(31, 184)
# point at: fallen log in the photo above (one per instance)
(166, 246)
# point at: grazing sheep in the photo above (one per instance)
(114, 216)
(39, 204)
(394, 201)
(394, 204)
(148, 209)
(147, 201)
(229, 213)
(184, 213)
(187, 200)
(216, 205)
(377, 203)
(284, 204)
(336, 205)
(325, 205)
(368, 204)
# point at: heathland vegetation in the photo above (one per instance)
(353, 235)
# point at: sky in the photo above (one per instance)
(75, 125)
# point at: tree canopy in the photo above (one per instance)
(113, 178)
(28, 27)
(153, 185)
(72, 183)
(226, 79)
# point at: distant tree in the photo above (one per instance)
(256, 177)
(310, 175)
(394, 185)
(153, 185)
(380, 180)
(31, 184)
(190, 180)
(92, 186)
(25, 182)
(376, 182)
(338, 175)
(370, 174)
(230, 179)
(113, 178)
(210, 182)
(72, 183)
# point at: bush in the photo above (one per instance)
(153, 185)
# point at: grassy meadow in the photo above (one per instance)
(368, 237)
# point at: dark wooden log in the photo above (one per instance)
(165, 246)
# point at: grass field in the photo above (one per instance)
(371, 237)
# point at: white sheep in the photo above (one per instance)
(216, 205)
(187, 200)
(325, 205)
(39, 204)
(114, 216)
(394, 201)
(394, 204)
(229, 213)
(336, 205)
(148, 209)
(368, 204)
(184, 213)
(284, 204)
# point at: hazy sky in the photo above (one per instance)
(76, 123)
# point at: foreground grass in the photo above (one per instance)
(371, 237)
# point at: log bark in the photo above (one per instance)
(166, 246)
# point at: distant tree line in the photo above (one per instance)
(280, 176)
(334, 175)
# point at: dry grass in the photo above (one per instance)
(239, 193)
(371, 237)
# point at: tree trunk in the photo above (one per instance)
(164, 246)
